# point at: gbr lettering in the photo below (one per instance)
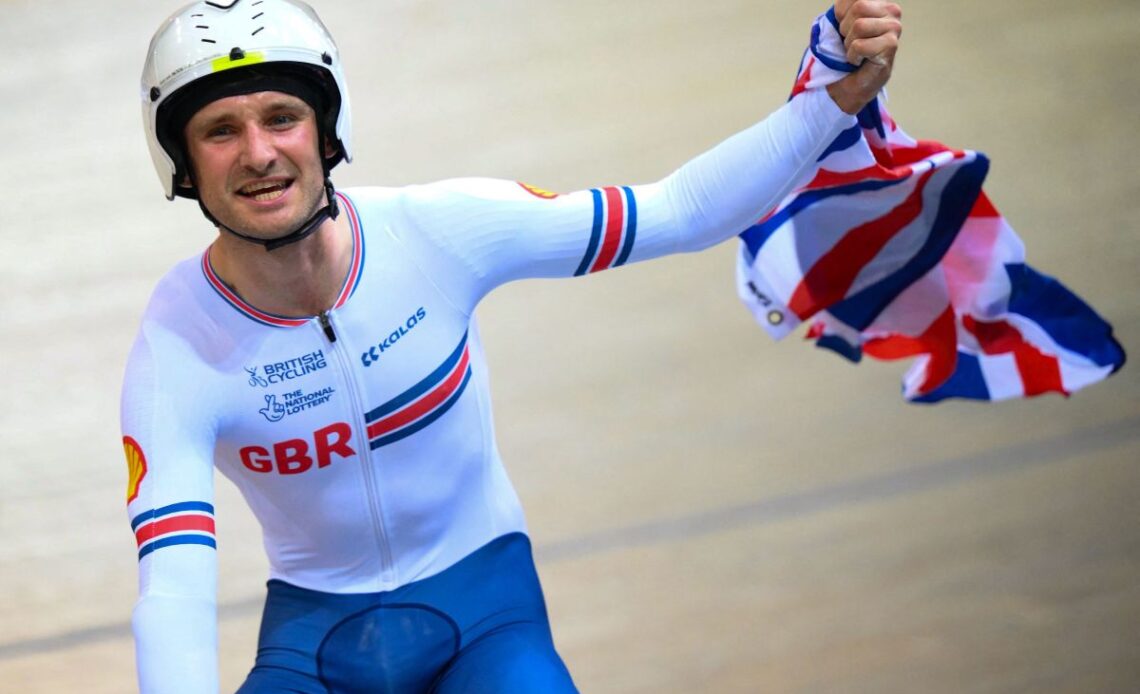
(294, 456)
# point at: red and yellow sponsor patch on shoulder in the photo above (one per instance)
(136, 467)
(538, 192)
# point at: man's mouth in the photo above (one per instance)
(265, 191)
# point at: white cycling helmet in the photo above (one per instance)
(215, 48)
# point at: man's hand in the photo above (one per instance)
(871, 31)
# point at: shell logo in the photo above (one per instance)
(136, 467)
(539, 192)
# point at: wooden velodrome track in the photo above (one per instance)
(713, 512)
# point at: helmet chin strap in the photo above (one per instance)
(330, 211)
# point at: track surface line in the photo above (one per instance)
(869, 489)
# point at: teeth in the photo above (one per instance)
(269, 195)
(264, 191)
(254, 188)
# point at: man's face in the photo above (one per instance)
(256, 162)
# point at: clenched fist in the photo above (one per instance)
(871, 31)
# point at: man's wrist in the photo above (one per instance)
(844, 97)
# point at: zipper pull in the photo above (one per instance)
(326, 325)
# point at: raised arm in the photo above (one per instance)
(479, 233)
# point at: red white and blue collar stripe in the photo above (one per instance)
(351, 280)
(185, 523)
(423, 403)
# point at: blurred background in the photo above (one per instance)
(712, 511)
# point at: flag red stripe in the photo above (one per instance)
(983, 207)
(939, 342)
(828, 179)
(802, 82)
(829, 280)
(1039, 372)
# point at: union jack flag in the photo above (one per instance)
(892, 250)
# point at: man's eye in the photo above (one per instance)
(282, 119)
(219, 131)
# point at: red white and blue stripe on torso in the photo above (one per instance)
(423, 403)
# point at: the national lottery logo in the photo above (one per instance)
(278, 407)
(279, 372)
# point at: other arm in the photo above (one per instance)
(170, 506)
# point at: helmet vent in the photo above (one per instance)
(206, 27)
(256, 30)
(257, 15)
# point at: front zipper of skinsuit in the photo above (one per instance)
(360, 436)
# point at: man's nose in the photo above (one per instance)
(258, 150)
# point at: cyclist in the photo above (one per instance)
(322, 354)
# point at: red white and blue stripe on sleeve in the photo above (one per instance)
(893, 250)
(613, 232)
(184, 523)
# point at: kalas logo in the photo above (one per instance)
(373, 354)
(281, 371)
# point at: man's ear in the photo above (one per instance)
(187, 180)
(330, 148)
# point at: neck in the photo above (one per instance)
(301, 279)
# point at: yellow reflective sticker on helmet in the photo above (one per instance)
(228, 62)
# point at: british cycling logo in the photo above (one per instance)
(281, 371)
(293, 402)
(256, 379)
(373, 354)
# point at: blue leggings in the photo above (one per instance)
(478, 627)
